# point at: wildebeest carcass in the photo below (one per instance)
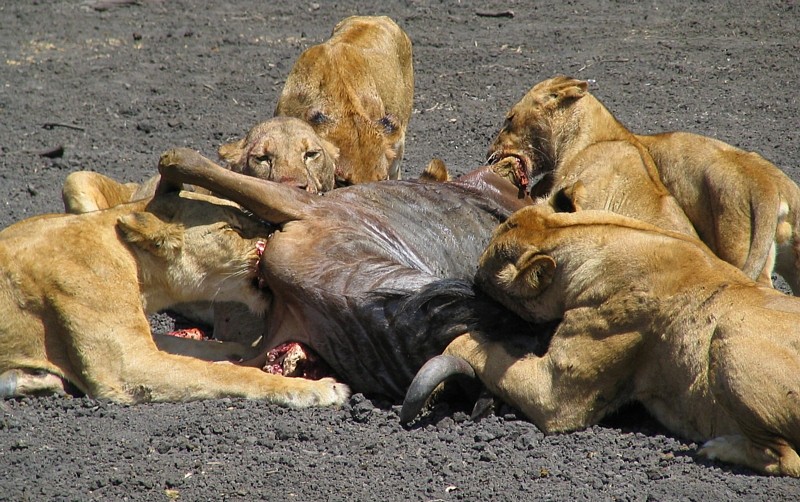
(375, 278)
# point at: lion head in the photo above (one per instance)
(286, 150)
(534, 127)
(197, 247)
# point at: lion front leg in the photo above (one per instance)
(165, 377)
(526, 383)
(127, 366)
(562, 391)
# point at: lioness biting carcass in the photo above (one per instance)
(646, 315)
(356, 90)
(742, 206)
(613, 171)
(375, 278)
(75, 291)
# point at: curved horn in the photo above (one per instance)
(432, 373)
(273, 202)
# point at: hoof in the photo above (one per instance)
(8, 384)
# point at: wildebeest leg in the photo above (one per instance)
(207, 350)
(273, 202)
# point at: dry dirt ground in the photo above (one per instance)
(114, 85)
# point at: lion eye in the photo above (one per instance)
(311, 155)
(389, 124)
(263, 159)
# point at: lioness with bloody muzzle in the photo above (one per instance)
(742, 206)
(552, 131)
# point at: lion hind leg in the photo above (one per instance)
(18, 382)
(778, 458)
(754, 380)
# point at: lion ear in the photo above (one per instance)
(232, 153)
(569, 199)
(532, 271)
(571, 90)
(436, 171)
(536, 270)
(389, 124)
(146, 231)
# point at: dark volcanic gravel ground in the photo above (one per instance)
(115, 85)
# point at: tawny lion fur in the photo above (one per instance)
(742, 206)
(75, 292)
(356, 90)
(646, 315)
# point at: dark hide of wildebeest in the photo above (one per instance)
(376, 278)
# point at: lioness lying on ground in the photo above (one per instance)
(356, 90)
(616, 172)
(742, 206)
(646, 315)
(282, 149)
(76, 291)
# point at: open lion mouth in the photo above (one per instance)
(512, 166)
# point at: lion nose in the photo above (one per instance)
(292, 181)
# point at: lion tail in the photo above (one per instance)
(769, 215)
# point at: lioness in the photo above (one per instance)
(742, 206)
(616, 171)
(649, 316)
(356, 91)
(76, 290)
(286, 150)
(282, 149)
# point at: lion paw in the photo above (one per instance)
(730, 449)
(330, 393)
